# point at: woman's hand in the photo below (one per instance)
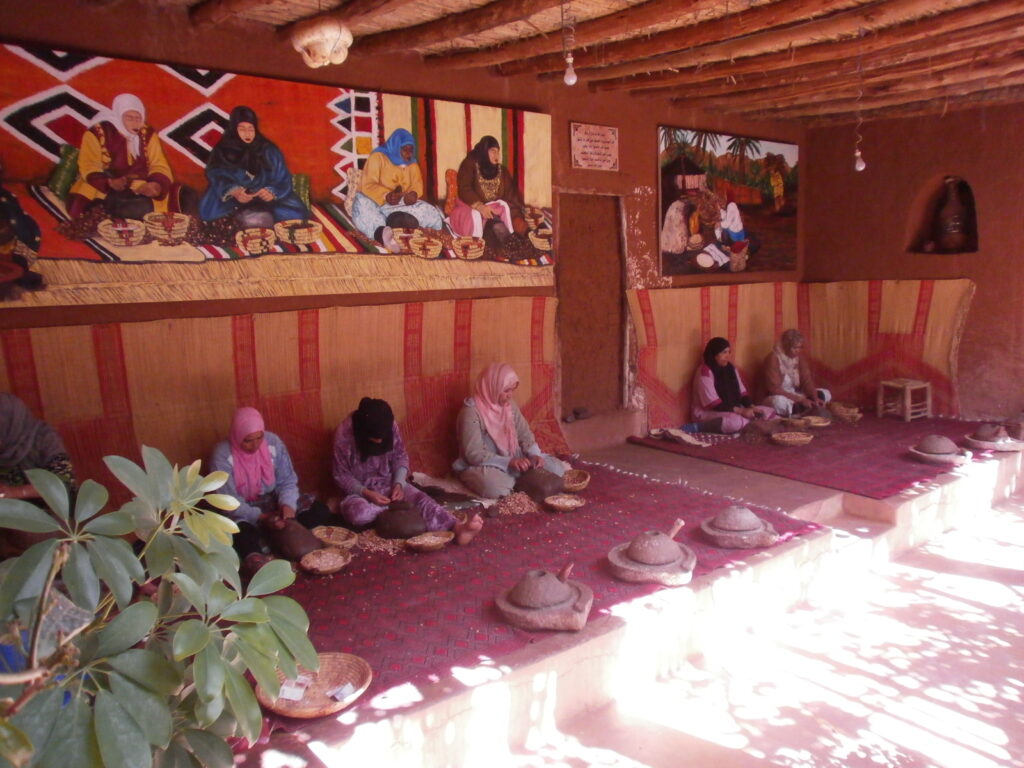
(484, 210)
(241, 195)
(118, 183)
(265, 195)
(520, 464)
(538, 461)
(394, 197)
(747, 413)
(410, 197)
(150, 189)
(375, 498)
(397, 492)
(287, 512)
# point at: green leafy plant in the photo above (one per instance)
(137, 657)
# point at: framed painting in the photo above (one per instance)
(726, 203)
(145, 182)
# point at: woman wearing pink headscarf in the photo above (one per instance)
(261, 477)
(496, 444)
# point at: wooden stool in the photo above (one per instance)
(896, 396)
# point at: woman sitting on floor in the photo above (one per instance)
(371, 468)
(495, 442)
(261, 477)
(721, 402)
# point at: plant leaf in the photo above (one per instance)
(261, 667)
(116, 523)
(219, 597)
(127, 628)
(160, 472)
(193, 562)
(297, 643)
(122, 742)
(197, 525)
(117, 567)
(148, 669)
(15, 746)
(225, 563)
(208, 712)
(193, 471)
(160, 555)
(38, 718)
(52, 490)
(176, 756)
(192, 591)
(272, 577)
(283, 608)
(26, 577)
(221, 528)
(250, 610)
(222, 501)
(91, 498)
(189, 638)
(134, 478)
(22, 516)
(73, 735)
(149, 711)
(243, 703)
(211, 750)
(208, 672)
(80, 578)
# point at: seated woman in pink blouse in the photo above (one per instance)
(371, 468)
(719, 394)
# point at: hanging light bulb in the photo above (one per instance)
(858, 161)
(570, 73)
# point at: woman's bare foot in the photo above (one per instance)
(464, 532)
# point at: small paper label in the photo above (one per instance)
(342, 691)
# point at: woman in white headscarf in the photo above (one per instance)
(121, 165)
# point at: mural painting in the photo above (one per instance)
(727, 203)
(213, 185)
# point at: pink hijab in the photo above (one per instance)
(498, 419)
(252, 470)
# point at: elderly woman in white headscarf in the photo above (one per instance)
(121, 165)
(788, 379)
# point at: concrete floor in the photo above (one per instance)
(907, 663)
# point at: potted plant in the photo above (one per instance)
(137, 656)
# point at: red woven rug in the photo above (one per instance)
(412, 616)
(868, 458)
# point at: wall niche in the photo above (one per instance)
(947, 220)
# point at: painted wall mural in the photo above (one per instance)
(727, 203)
(152, 182)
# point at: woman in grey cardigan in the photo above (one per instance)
(496, 444)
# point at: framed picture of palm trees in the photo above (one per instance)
(726, 203)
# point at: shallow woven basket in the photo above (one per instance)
(575, 480)
(541, 239)
(335, 669)
(403, 235)
(167, 227)
(313, 563)
(298, 231)
(256, 241)
(122, 231)
(564, 502)
(425, 246)
(817, 421)
(790, 439)
(468, 248)
(336, 536)
(430, 541)
(796, 423)
(848, 413)
(534, 217)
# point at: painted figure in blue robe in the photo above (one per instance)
(391, 191)
(248, 177)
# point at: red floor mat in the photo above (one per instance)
(868, 458)
(416, 615)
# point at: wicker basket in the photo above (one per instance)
(256, 241)
(468, 248)
(336, 536)
(534, 217)
(167, 228)
(816, 422)
(425, 246)
(575, 480)
(403, 236)
(847, 413)
(430, 541)
(298, 231)
(541, 239)
(336, 669)
(122, 231)
(564, 502)
(791, 439)
(796, 423)
(324, 562)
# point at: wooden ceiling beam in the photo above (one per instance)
(846, 24)
(967, 65)
(892, 63)
(935, 28)
(948, 85)
(457, 25)
(218, 11)
(741, 22)
(631, 20)
(935, 109)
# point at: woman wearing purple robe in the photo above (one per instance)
(371, 468)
